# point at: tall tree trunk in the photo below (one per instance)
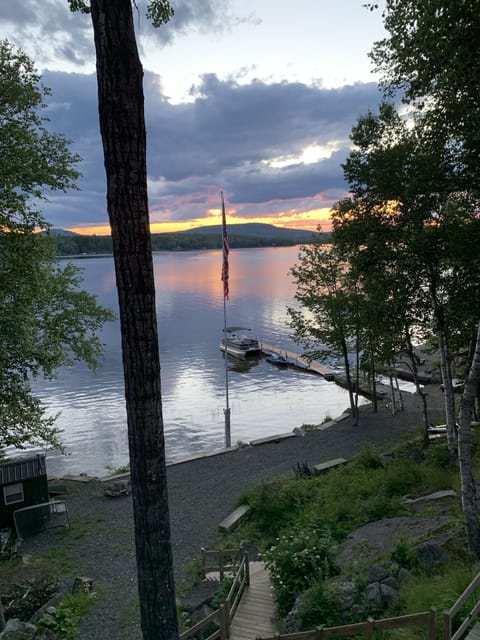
(392, 395)
(373, 373)
(448, 394)
(122, 125)
(469, 494)
(348, 376)
(357, 379)
(423, 396)
(400, 397)
(444, 365)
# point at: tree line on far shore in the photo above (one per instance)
(70, 245)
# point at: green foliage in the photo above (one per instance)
(325, 509)
(369, 457)
(46, 321)
(319, 605)
(297, 560)
(159, 12)
(438, 455)
(194, 572)
(222, 593)
(74, 244)
(276, 504)
(440, 590)
(404, 554)
(33, 159)
(64, 623)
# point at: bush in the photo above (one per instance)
(369, 457)
(276, 504)
(438, 455)
(440, 590)
(296, 561)
(402, 477)
(320, 605)
(404, 554)
(64, 622)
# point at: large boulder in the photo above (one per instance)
(17, 630)
(377, 539)
(431, 555)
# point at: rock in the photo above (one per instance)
(202, 612)
(391, 582)
(377, 573)
(389, 596)
(374, 596)
(380, 596)
(431, 555)
(377, 539)
(291, 623)
(431, 497)
(17, 630)
(404, 574)
(199, 595)
(346, 595)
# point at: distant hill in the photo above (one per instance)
(58, 232)
(258, 230)
(240, 236)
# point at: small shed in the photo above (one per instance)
(23, 483)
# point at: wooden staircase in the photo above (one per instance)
(255, 616)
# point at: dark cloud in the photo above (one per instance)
(48, 31)
(225, 138)
(51, 32)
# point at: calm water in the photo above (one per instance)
(264, 400)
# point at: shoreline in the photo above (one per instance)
(202, 492)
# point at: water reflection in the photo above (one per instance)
(263, 399)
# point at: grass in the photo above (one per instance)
(369, 488)
(63, 624)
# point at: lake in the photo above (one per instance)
(264, 399)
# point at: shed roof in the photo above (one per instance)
(22, 469)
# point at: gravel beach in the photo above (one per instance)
(201, 493)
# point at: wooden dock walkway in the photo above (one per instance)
(299, 361)
(256, 612)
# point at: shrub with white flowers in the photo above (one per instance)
(297, 560)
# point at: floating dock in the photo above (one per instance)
(299, 361)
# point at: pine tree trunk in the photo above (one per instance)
(469, 495)
(122, 124)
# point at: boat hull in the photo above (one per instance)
(239, 352)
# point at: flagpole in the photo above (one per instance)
(226, 250)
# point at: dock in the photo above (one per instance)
(299, 361)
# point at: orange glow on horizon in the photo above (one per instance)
(306, 220)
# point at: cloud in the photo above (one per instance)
(227, 138)
(51, 33)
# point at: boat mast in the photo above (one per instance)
(226, 251)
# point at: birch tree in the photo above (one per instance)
(428, 55)
(327, 323)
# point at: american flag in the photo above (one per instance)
(226, 251)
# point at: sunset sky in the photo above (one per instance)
(253, 98)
